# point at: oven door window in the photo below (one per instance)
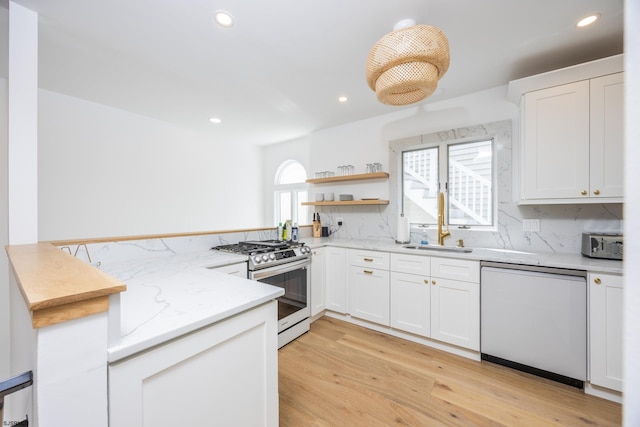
(294, 284)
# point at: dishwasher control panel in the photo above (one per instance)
(606, 246)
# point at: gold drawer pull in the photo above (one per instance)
(596, 192)
(367, 271)
(597, 281)
(369, 259)
(583, 192)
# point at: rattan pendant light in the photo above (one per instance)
(404, 66)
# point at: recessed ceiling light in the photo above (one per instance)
(215, 120)
(588, 20)
(224, 19)
(342, 99)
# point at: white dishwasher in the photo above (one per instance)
(535, 319)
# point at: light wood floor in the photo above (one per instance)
(339, 374)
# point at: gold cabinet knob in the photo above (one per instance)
(433, 282)
(596, 192)
(597, 281)
(583, 192)
(426, 281)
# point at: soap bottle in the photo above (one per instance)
(423, 240)
(294, 232)
(279, 231)
(287, 230)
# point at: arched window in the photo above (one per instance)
(290, 192)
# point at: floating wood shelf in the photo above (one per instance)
(347, 203)
(375, 175)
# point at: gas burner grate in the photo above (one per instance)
(258, 247)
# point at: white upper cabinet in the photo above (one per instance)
(555, 151)
(606, 142)
(571, 148)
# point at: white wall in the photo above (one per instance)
(105, 172)
(4, 238)
(632, 213)
(367, 141)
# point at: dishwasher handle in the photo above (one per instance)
(534, 268)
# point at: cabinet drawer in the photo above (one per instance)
(412, 264)
(455, 269)
(369, 259)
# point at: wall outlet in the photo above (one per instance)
(531, 225)
(340, 222)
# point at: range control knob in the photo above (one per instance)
(272, 256)
(257, 259)
(265, 257)
(306, 249)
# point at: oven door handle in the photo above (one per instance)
(284, 268)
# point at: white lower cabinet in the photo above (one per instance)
(455, 302)
(369, 285)
(605, 330)
(410, 298)
(369, 294)
(441, 302)
(336, 279)
(318, 272)
(455, 312)
(410, 303)
(209, 377)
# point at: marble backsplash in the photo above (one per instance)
(105, 254)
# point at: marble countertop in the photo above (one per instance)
(546, 259)
(169, 296)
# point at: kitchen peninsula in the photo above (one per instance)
(96, 345)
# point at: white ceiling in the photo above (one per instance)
(277, 73)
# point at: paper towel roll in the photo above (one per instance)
(403, 230)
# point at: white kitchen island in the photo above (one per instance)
(195, 346)
(182, 345)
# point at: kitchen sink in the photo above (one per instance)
(440, 248)
(506, 251)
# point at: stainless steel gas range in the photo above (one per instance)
(286, 265)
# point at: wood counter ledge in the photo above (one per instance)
(58, 287)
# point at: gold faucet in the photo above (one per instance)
(445, 233)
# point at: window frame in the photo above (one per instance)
(294, 190)
(443, 180)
